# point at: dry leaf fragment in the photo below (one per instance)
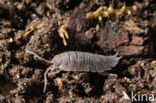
(36, 25)
(63, 34)
(133, 28)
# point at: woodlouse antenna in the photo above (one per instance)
(40, 58)
(46, 72)
(45, 75)
(45, 79)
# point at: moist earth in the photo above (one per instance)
(34, 25)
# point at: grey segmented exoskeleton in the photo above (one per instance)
(79, 61)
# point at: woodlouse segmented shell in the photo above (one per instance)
(79, 61)
(83, 61)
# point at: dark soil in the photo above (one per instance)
(34, 25)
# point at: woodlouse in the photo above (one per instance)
(79, 61)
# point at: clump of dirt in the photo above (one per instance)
(34, 25)
(126, 38)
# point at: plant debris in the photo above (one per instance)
(35, 25)
(63, 34)
(96, 26)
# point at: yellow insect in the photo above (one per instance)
(107, 12)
